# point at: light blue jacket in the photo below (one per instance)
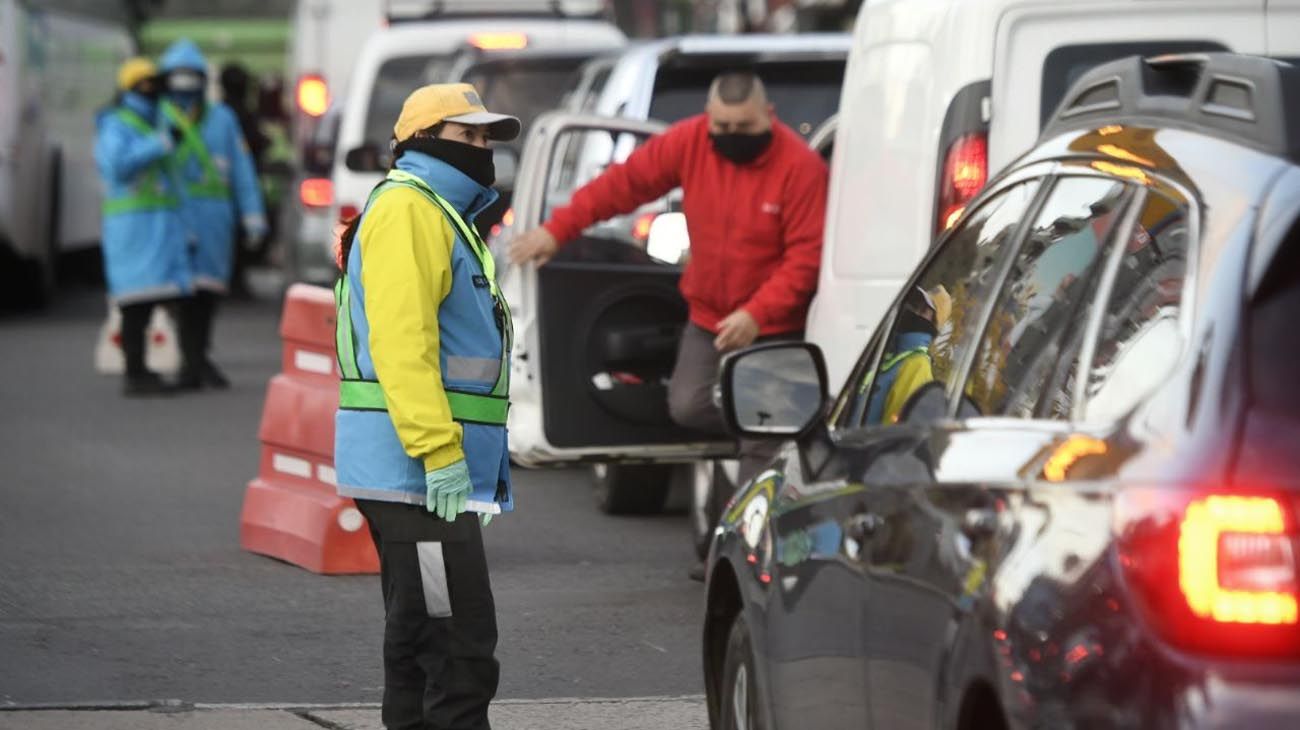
(907, 344)
(143, 238)
(214, 204)
(369, 457)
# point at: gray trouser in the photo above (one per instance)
(690, 395)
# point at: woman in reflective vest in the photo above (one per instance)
(143, 237)
(423, 341)
(906, 365)
(220, 184)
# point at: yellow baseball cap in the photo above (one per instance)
(429, 105)
(135, 70)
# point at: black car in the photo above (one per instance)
(1084, 512)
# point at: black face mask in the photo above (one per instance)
(909, 321)
(475, 162)
(741, 149)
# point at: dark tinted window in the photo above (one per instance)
(805, 93)
(1064, 65)
(524, 88)
(1046, 289)
(956, 283)
(1141, 339)
(1273, 346)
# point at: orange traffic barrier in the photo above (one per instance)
(291, 509)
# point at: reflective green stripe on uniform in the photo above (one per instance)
(368, 395)
(358, 393)
(149, 192)
(212, 185)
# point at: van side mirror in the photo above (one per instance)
(773, 391)
(669, 241)
(366, 158)
(506, 162)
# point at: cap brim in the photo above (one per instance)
(501, 127)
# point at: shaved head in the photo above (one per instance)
(737, 87)
(738, 104)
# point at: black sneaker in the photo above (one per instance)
(212, 376)
(188, 380)
(145, 385)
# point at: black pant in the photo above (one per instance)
(440, 631)
(196, 316)
(135, 323)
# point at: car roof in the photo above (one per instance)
(444, 36)
(764, 46)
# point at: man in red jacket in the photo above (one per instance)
(754, 195)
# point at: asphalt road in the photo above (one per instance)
(121, 576)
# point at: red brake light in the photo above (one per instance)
(1217, 572)
(348, 211)
(316, 192)
(313, 95)
(1235, 561)
(965, 171)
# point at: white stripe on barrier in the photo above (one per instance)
(286, 464)
(313, 362)
(327, 474)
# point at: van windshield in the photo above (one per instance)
(805, 93)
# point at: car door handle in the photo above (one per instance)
(979, 522)
(862, 527)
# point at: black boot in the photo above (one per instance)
(212, 376)
(144, 385)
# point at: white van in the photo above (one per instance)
(522, 64)
(940, 95)
(58, 67)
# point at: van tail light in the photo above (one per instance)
(1215, 572)
(316, 192)
(313, 95)
(347, 212)
(641, 226)
(965, 171)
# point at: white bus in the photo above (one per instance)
(58, 67)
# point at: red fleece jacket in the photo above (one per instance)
(756, 229)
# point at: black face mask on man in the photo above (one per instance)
(741, 149)
(476, 162)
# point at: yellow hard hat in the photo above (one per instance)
(429, 105)
(134, 71)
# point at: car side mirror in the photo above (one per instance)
(366, 158)
(506, 162)
(773, 391)
(668, 241)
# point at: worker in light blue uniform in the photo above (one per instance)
(221, 188)
(143, 238)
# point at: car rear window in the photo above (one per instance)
(525, 89)
(1064, 65)
(1272, 349)
(805, 93)
(396, 79)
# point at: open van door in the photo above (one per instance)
(597, 327)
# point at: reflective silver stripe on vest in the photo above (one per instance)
(472, 368)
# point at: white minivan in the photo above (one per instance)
(940, 95)
(58, 67)
(522, 64)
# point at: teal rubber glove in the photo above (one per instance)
(447, 489)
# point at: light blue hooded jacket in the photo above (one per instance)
(219, 192)
(143, 237)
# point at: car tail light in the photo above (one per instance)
(502, 41)
(313, 95)
(316, 192)
(965, 171)
(1215, 572)
(641, 226)
(348, 211)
